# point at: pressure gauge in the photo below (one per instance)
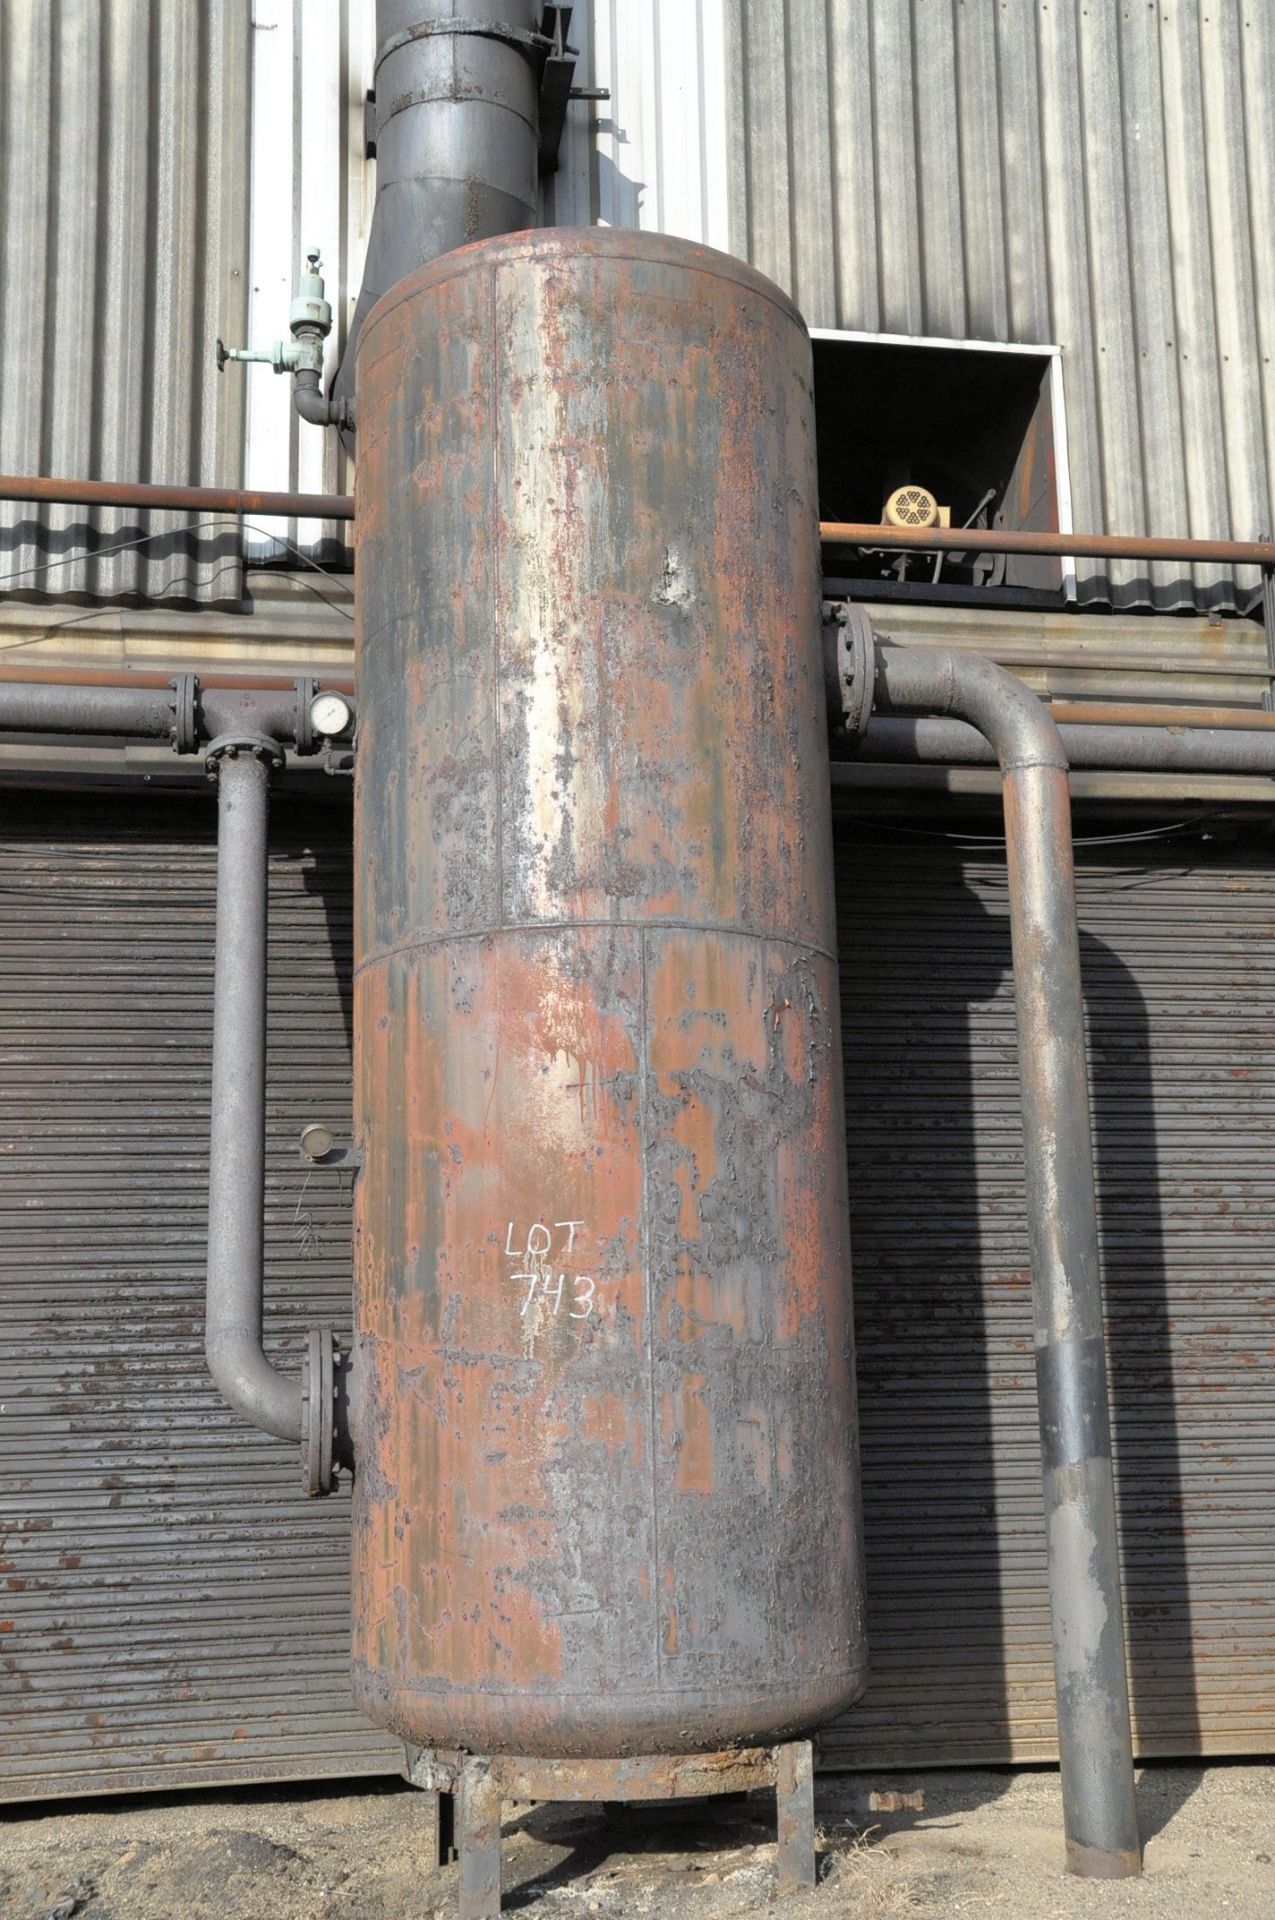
(329, 714)
(316, 1141)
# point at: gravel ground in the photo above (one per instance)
(986, 1843)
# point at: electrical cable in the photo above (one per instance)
(141, 540)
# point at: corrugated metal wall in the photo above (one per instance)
(1096, 176)
(652, 155)
(175, 1611)
(311, 185)
(1178, 959)
(124, 139)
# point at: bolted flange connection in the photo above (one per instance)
(849, 667)
(318, 1412)
(229, 746)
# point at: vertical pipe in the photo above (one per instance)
(457, 93)
(1094, 1736)
(236, 1172)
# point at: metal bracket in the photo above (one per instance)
(318, 1412)
(482, 1784)
(849, 667)
(184, 706)
(556, 76)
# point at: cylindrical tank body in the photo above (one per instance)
(606, 1498)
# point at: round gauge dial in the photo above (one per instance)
(329, 714)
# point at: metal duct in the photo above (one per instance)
(457, 129)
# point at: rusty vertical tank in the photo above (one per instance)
(606, 1499)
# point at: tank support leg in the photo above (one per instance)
(445, 1827)
(795, 1806)
(479, 1842)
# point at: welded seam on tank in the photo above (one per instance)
(493, 543)
(693, 1690)
(649, 1301)
(425, 941)
(747, 277)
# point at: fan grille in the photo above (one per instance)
(912, 507)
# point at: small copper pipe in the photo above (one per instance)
(122, 675)
(139, 493)
(1129, 713)
(1060, 546)
(833, 533)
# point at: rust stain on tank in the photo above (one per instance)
(606, 1499)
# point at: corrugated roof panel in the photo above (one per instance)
(1070, 174)
(123, 255)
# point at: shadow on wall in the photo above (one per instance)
(79, 559)
(619, 198)
(958, 1607)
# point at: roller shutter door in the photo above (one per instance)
(173, 1611)
(1178, 955)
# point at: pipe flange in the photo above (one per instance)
(184, 731)
(318, 1412)
(229, 746)
(305, 686)
(523, 38)
(850, 655)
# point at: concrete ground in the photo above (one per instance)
(985, 1843)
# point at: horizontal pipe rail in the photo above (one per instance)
(835, 533)
(141, 710)
(1058, 546)
(118, 675)
(144, 709)
(1097, 713)
(1137, 713)
(928, 742)
(145, 494)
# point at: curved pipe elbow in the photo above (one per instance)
(236, 1165)
(313, 405)
(935, 680)
(249, 1385)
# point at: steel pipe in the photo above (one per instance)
(1149, 713)
(145, 494)
(1060, 546)
(44, 675)
(457, 102)
(833, 533)
(236, 1171)
(148, 711)
(930, 742)
(35, 707)
(1094, 1737)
